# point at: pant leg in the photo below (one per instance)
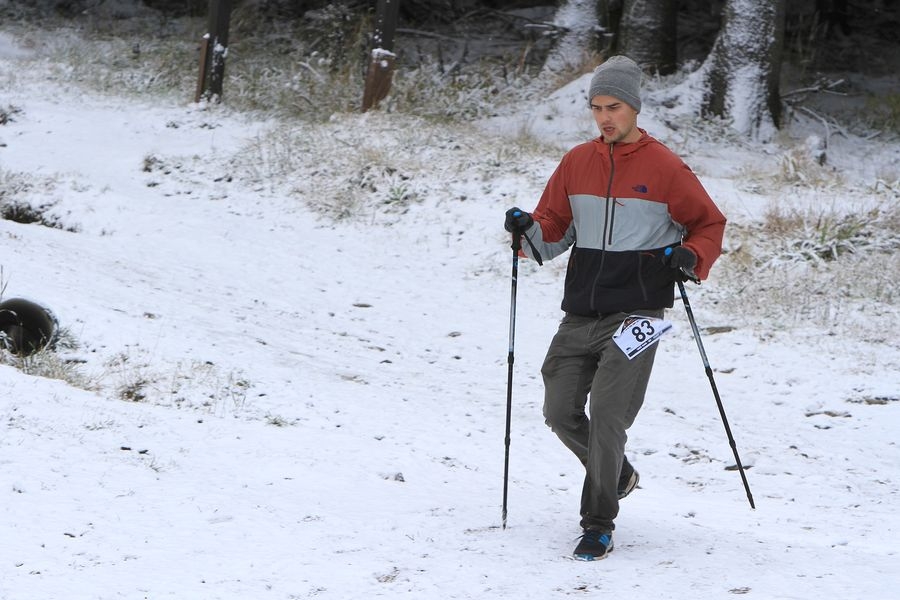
(582, 355)
(617, 394)
(568, 373)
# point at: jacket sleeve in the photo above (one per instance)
(692, 208)
(553, 231)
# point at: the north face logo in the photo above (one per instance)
(640, 188)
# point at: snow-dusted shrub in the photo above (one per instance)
(819, 267)
(806, 165)
(827, 235)
(12, 185)
(8, 112)
(196, 384)
(795, 165)
(883, 112)
(23, 212)
(429, 91)
(52, 362)
(378, 176)
(17, 204)
(381, 164)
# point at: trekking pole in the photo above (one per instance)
(510, 359)
(712, 382)
(516, 247)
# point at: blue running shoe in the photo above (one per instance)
(594, 545)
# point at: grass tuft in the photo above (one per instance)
(50, 363)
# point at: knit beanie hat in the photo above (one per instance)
(620, 77)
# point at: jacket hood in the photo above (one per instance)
(624, 149)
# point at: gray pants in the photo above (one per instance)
(583, 359)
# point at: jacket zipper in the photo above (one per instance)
(610, 216)
(607, 224)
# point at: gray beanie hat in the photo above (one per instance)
(620, 77)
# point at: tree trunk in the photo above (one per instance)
(214, 50)
(577, 20)
(381, 60)
(648, 34)
(609, 14)
(742, 70)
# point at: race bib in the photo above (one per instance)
(637, 333)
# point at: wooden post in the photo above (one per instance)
(381, 60)
(204, 68)
(213, 51)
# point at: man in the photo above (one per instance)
(636, 218)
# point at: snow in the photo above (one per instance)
(577, 20)
(324, 391)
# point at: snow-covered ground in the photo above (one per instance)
(289, 402)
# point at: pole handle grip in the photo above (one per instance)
(688, 273)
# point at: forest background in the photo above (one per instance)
(296, 54)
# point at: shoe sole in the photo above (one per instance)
(589, 557)
(632, 483)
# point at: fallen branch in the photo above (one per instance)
(828, 124)
(821, 87)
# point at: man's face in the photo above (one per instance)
(615, 119)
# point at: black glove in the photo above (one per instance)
(680, 257)
(517, 220)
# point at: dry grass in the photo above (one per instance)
(198, 385)
(52, 363)
(824, 268)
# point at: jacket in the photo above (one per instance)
(619, 206)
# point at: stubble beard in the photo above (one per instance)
(619, 134)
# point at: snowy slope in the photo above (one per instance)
(322, 401)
